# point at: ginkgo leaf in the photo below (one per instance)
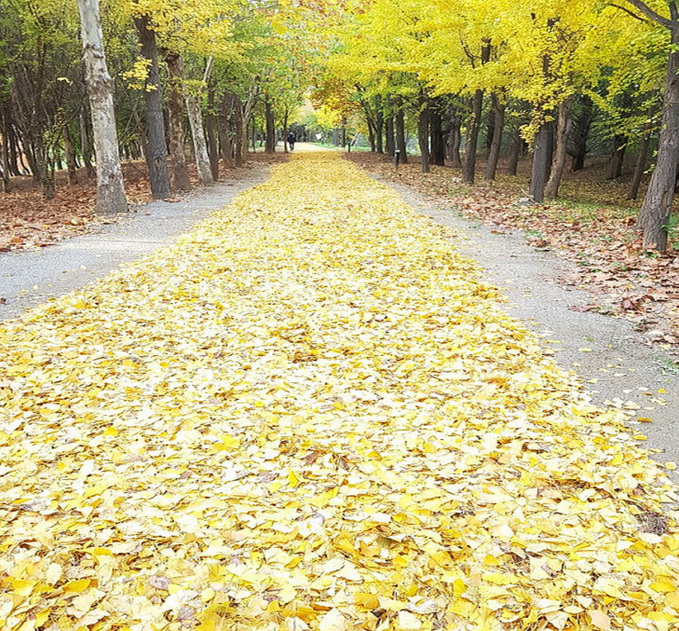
(280, 461)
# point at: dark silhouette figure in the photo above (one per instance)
(291, 141)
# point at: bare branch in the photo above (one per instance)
(651, 14)
(634, 15)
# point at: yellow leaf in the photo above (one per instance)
(77, 586)
(231, 442)
(367, 601)
(293, 480)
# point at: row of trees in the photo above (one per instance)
(191, 68)
(538, 72)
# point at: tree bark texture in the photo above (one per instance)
(241, 130)
(454, 143)
(642, 157)
(401, 135)
(438, 145)
(390, 140)
(579, 136)
(657, 206)
(211, 131)
(423, 138)
(270, 145)
(156, 146)
(542, 160)
(175, 108)
(560, 154)
(226, 132)
(4, 148)
(496, 141)
(110, 189)
(199, 143)
(473, 126)
(515, 153)
(617, 158)
(379, 130)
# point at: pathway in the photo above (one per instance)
(310, 412)
(29, 278)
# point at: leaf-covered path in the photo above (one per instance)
(312, 413)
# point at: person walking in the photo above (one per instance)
(291, 141)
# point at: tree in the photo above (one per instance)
(110, 189)
(657, 207)
(156, 146)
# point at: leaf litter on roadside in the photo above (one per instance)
(311, 413)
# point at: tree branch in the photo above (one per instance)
(634, 15)
(651, 14)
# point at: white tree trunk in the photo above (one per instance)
(199, 143)
(110, 189)
(198, 132)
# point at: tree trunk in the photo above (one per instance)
(175, 108)
(515, 153)
(44, 169)
(542, 160)
(617, 159)
(110, 189)
(454, 143)
(401, 135)
(657, 206)
(156, 146)
(286, 117)
(240, 125)
(490, 131)
(640, 167)
(371, 134)
(379, 130)
(247, 109)
(423, 138)
(496, 142)
(224, 120)
(270, 146)
(438, 145)
(13, 145)
(390, 140)
(4, 147)
(469, 167)
(199, 144)
(71, 165)
(86, 146)
(642, 157)
(211, 130)
(560, 155)
(582, 123)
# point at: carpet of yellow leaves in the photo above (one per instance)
(311, 413)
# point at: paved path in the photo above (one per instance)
(618, 365)
(30, 278)
(312, 413)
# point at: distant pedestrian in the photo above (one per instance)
(291, 141)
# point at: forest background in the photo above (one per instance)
(547, 83)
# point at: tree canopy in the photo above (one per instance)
(545, 73)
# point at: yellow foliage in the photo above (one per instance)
(279, 460)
